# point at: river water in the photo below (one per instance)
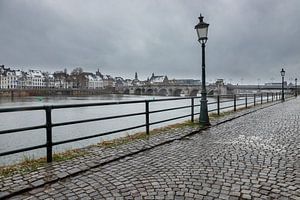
(32, 118)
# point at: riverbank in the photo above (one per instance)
(55, 92)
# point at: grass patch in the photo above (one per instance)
(213, 116)
(29, 164)
(142, 135)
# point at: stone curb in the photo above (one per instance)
(103, 160)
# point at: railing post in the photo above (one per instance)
(254, 99)
(279, 96)
(272, 96)
(234, 102)
(147, 117)
(218, 104)
(246, 101)
(261, 98)
(49, 133)
(192, 109)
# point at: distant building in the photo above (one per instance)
(49, 80)
(220, 89)
(136, 81)
(35, 79)
(220, 82)
(108, 81)
(62, 80)
(120, 82)
(94, 81)
(127, 82)
(9, 79)
(184, 82)
(276, 84)
(158, 79)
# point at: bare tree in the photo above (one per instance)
(79, 78)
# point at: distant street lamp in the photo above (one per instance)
(202, 31)
(296, 93)
(282, 72)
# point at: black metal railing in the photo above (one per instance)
(222, 103)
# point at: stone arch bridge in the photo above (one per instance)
(164, 90)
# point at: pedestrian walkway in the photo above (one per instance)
(255, 156)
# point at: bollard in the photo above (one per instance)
(254, 99)
(246, 101)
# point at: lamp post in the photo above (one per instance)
(282, 72)
(202, 30)
(296, 93)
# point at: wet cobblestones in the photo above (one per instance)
(252, 157)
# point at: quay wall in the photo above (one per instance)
(54, 92)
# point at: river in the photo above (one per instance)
(32, 118)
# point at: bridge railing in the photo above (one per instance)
(216, 105)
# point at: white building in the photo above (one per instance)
(108, 81)
(94, 81)
(9, 79)
(35, 79)
(49, 81)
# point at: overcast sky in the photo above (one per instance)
(248, 42)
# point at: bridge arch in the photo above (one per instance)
(163, 92)
(138, 91)
(149, 91)
(193, 92)
(177, 92)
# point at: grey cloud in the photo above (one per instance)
(247, 39)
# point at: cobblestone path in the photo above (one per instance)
(253, 157)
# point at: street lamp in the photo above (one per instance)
(282, 72)
(296, 93)
(202, 30)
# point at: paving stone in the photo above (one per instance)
(38, 183)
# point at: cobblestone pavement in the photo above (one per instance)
(252, 157)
